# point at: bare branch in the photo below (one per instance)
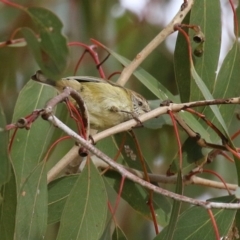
(134, 178)
(125, 126)
(169, 29)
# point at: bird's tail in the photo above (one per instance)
(40, 77)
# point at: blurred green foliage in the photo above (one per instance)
(126, 34)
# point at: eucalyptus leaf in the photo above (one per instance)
(176, 208)
(29, 146)
(85, 210)
(50, 48)
(31, 216)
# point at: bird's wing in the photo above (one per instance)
(86, 79)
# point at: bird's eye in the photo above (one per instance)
(140, 103)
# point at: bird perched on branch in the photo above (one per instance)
(108, 104)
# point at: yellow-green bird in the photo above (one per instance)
(108, 104)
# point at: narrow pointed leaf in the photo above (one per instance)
(182, 65)
(29, 146)
(227, 83)
(176, 209)
(31, 217)
(206, 14)
(207, 95)
(146, 79)
(85, 211)
(50, 48)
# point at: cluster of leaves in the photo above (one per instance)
(81, 202)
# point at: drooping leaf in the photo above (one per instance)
(146, 79)
(207, 95)
(182, 65)
(207, 15)
(176, 208)
(228, 84)
(129, 151)
(29, 146)
(50, 48)
(85, 211)
(31, 216)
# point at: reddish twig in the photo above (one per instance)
(93, 53)
(11, 4)
(150, 199)
(53, 145)
(178, 138)
(119, 194)
(218, 176)
(235, 19)
(214, 224)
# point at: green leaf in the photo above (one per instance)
(182, 65)
(51, 50)
(62, 147)
(207, 95)
(238, 15)
(129, 156)
(85, 211)
(4, 161)
(31, 217)
(206, 14)
(176, 208)
(237, 220)
(29, 146)
(146, 79)
(129, 151)
(227, 83)
(195, 124)
(195, 223)
(161, 92)
(193, 150)
(8, 209)
(58, 192)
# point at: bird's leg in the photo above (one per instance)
(134, 115)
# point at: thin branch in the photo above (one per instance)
(154, 178)
(169, 29)
(125, 126)
(47, 115)
(119, 168)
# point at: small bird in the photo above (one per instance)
(108, 104)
